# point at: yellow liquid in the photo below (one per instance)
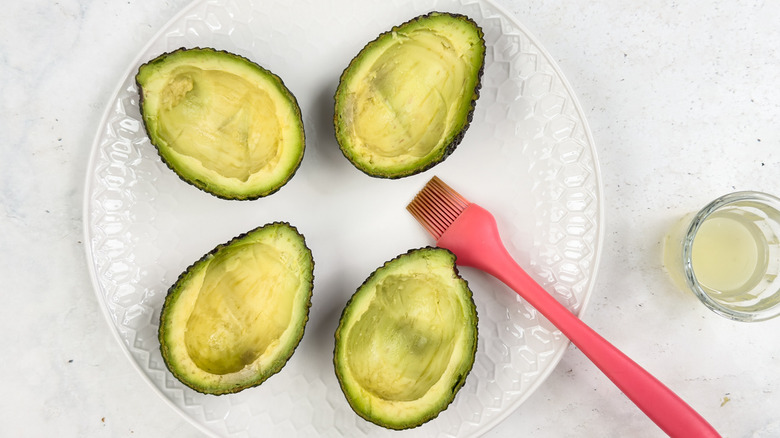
(728, 255)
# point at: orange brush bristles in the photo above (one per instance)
(437, 206)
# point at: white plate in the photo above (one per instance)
(528, 157)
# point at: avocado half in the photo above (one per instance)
(407, 339)
(221, 122)
(406, 100)
(235, 317)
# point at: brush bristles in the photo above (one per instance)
(437, 206)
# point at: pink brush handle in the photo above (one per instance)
(474, 239)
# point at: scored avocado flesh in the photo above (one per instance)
(407, 339)
(235, 316)
(393, 116)
(219, 119)
(221, 122)
(242, 308)
(405, 101)
(402, 344)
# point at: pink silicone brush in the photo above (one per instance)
(470, 232)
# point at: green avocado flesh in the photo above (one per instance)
(407, 339)
(405, 101)
(235, 316)
(221, 122)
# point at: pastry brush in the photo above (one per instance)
(471, 233)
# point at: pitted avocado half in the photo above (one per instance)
(221, 122)
(235, 317)
(407, 340)
(406, 100)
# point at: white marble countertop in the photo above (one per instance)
(683, 100)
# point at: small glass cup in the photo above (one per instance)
(728, 255)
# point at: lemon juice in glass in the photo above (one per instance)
(728, 255)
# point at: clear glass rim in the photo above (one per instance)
(690, 277)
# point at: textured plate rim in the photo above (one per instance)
(599, 242)
(87, 202)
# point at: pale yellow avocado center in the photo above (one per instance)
(401, 346)
(229, 125)
(243, 307)
(409, 95)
